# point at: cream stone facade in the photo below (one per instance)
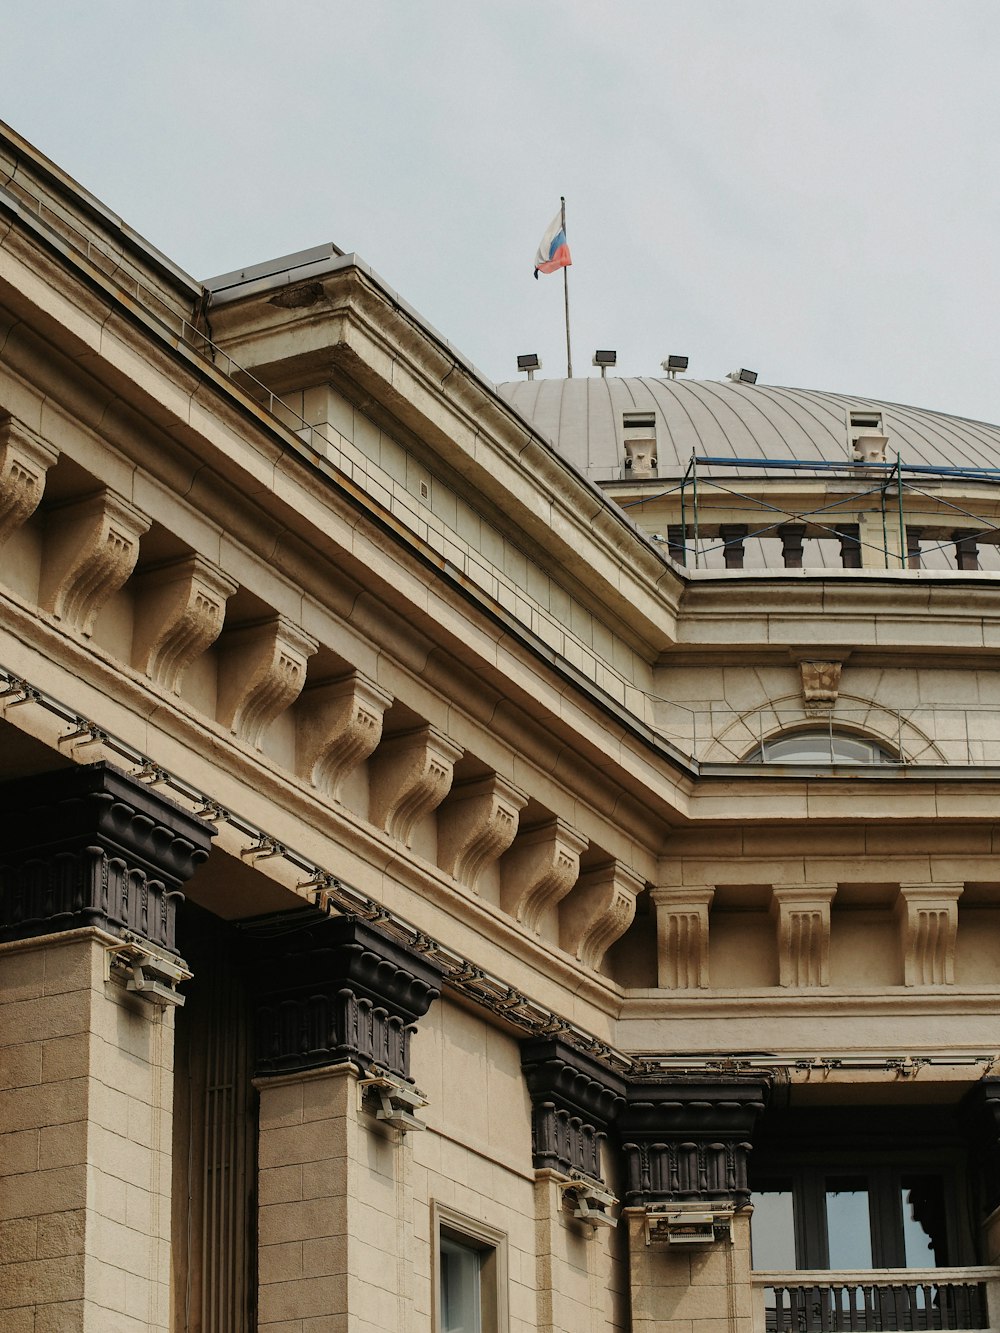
(476, 859)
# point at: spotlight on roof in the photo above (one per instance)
(742, 376)
(605, 359)
(529, 362)
(674, 365)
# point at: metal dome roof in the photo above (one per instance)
(584, 419)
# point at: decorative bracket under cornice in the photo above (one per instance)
(180, 609)
(411, 775)
(339, 725)
(477, 825)
(599, 911)
(25, 458)
(538, 871)
(262, 673)
(91, 548)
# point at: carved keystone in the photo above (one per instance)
(682, 935)
(599, 911)
(928, 926)
(412, 774)
(90, 551)
(180, 609)
(803, 917)
(262, 673)
(539, 870)
(24, 460)
(339, 726)
(477, 826)
(820, 686)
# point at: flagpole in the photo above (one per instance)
(569, 353)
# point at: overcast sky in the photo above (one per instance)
(807, 188)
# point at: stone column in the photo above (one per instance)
(685, 1142)
(336, 1003)
(574, 1099)
(91, 866)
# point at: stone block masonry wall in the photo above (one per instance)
(332, 1240)
(694, 1290)
(86, 1077)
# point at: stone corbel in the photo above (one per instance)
(802, 913)
(411, 775)
(90, 550)
(180, 608)
(682, 935)
(25, 458)
(599, 911)
(477, 826)
(928, 926)
(339, 725)
(262, 673)
(539, 870)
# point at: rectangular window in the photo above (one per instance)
(772, 1230)
(470, 1263)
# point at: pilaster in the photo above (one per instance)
(336, 1001)
(682, 935)
(91, 865)
(927, 915)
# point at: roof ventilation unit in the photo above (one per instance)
(867, 438)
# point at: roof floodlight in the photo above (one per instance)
(742, 376)
(603, 359)
(529, 362)
(674, 365)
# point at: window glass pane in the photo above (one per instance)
(460, 1287)
(924, 1230)
(820, 747)
(848, 1223)
(772, 1230)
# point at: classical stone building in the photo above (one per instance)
(470, 857)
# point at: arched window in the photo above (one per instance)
(820, 747)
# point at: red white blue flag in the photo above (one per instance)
(553, 252)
